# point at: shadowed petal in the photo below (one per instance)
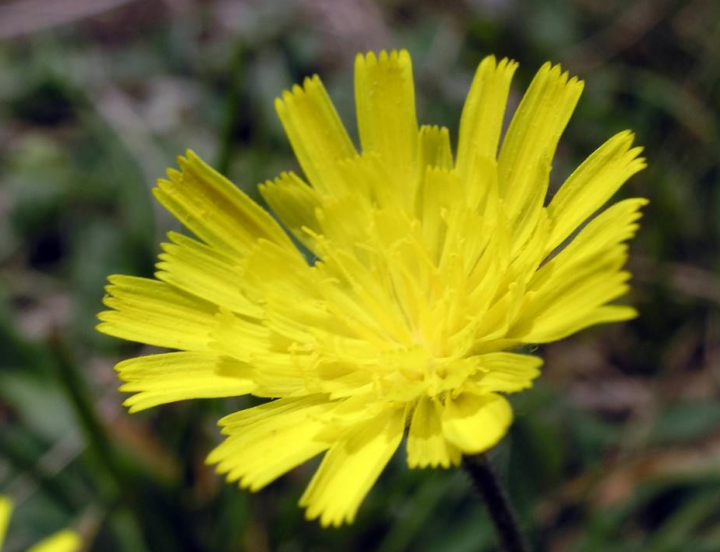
(475, 423)
(351, 467)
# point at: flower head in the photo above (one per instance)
(62, 541)
(429, 270)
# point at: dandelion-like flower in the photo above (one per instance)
(428, 270)
(62, 541)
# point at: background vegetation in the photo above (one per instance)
(616, 449)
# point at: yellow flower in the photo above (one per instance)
(428, 270)
(62, 541)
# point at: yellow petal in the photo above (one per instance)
(214, 209)
(568, 322)
(278, 369)
(506, 372)
(206, 273)
(567, 294)
(296, 204)
(342, 379)
(63, 541)
(481, 186)
(267, 441)
(599, 238)
(385, 101)
(269, 268)
(475, 423)
(498, 318)
(6, 508)
(239, 337)
(426, 445)
(434, 148)
(484, 112)
(367, 175)
(601, 315)
(171, 377)
(155, 313)
(316, 134)
(441, 190)
(556, 313)
(528, 258)
(344, 221)
(592, 184)
(374, 301)
(524, 224)
(434, 152)
(532, 137)
(485, 279)
(351, 467)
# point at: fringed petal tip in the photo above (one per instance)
(394, 56)
(555, 72)
(311, 85)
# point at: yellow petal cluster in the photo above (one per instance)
(62, 541)
(387, 296)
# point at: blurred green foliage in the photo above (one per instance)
(616, 449)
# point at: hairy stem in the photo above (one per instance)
(493, 494)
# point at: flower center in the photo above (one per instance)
(414, 372)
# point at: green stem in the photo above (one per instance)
(493, 494)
